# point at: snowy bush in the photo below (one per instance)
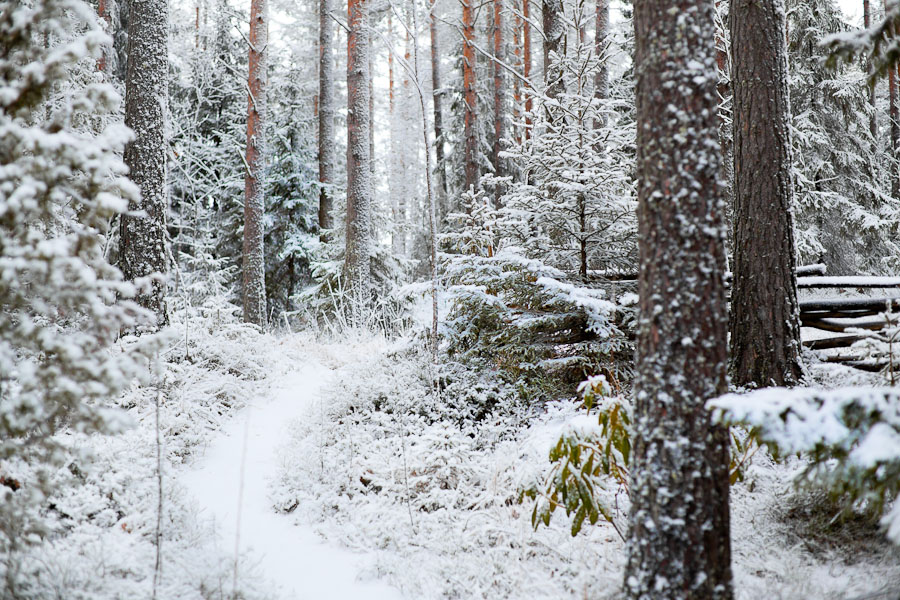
(518, 315)
(62, 305)
(850, 436)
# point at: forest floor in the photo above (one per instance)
(360, 480)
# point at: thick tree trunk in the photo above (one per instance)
(254, 268)
(143, 239)
(436, 94)
(526, 64)
(470, 150)
(499, 95)
(679, 542)
(357, 266)
(765, 330)
(326, 115)
(554, 40)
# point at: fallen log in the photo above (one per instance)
(848, 305)
(848, 282)
(807, 270)
(857, 363)
(830, 325)
(844, 341)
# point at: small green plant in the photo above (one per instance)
(585, 464)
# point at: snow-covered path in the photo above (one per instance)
(292, 557)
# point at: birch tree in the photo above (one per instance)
(765, 328)
(254, 273)
(142, 236)
(679, 542)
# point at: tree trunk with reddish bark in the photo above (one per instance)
(499, 96)
(470, 150)
(254, 272)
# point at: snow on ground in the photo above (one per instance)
(433, 492)
(231, 483)
(416, 490)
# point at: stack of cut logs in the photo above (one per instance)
(832, 314)
(840, 314)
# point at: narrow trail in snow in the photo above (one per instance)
(293, 557)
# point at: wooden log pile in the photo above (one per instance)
(839, 315)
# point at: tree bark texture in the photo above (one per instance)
(143, 238)
(873, 122)
(765, 329)
(894, 114)
(679, 542)
(357, 266)
(601, 45)
(554, 41)
(326, 115)
(499, 93)
(436, 94)
(254, 271)
(526, 64)
(470, 150)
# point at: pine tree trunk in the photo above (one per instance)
(873, 122)
(601, 79)
(436, 94)
(765, 328)
(894, 114)
(499, 94)
(679, 541)
(326, 115)
(554, 40)
(371, 109)
(254, 272)
(103, 13)
(357, 267)
(526, 63)
(394, 159)
(471, 140)
(143, 239)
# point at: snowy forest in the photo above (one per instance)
(437, 299)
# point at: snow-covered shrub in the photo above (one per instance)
(61, 306)
(850, 436)
(518, 315)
